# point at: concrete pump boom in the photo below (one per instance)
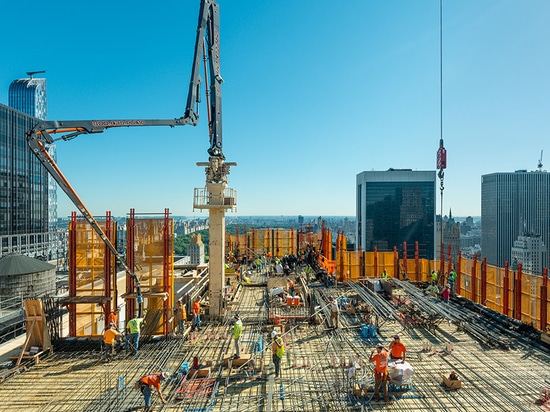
(207, 45)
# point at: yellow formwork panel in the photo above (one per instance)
(90, 252)
(278, 242)
(149, 256)
(352, 266)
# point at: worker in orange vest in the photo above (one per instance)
(380, 371)
(196, 309)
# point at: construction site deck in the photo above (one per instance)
(501, 366)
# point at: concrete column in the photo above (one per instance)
(216, 262)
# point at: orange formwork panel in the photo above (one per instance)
(275, 242)
(92, 277)
(512, 292)
(150, 254)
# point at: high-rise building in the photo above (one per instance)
(513, 206)
(528, 250)
(29, 96)
(196, 249)
(396, 206)
(24, 192)
(450, 238)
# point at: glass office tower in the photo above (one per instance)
(29, 96)
(396, 206)
(514, 205)
(24, 191)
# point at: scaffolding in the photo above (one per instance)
(93, 285)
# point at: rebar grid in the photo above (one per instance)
(315, 369)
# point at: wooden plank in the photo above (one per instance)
(29, 334)
(245, 357)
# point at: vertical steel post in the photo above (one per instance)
(474, 279)
(517, 293)
(396, 263)
(544, 301)
(417, 270)
(405, 258)
(131, 262)
(107, 267)
(166, 254)
(506, 290)
(72, 274)
(458, 274)
(484, 281)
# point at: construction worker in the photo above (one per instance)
(152, 380)
(380, 371)
(181, 316)
(397, 349)
(258, 263)
(290, 287)
(278, 349)
(334, 312)
(109, 337)
(446, 293)
(308, 273)
(384, 274)
(452, 281)
(432, 290)
(133, 332)
(434, 276)
(196, 309)
(113, 318)
(237, 333)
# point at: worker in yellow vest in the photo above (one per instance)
(278, 349)
(133, 332)
(237, 333)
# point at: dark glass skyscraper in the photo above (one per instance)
(24, 192)
(514, 205)
(29, 96)
(396, 206)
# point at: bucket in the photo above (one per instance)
(289, 300)
(277, 319)
(296, 301)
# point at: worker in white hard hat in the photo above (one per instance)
(278, 349)
(152, 380)
(237, 331)
(334, 312)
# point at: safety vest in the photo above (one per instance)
(237, 329)
(281, 348)
(134, 325)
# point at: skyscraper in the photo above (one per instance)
(24, 192)
(514, 206)
(29, 96)
(396, 206)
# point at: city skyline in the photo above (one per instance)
(312, 97)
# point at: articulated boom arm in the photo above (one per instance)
(72, 128)
(207, 48)
(208, 32)
(47, 161)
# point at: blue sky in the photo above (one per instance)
(315, 92)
